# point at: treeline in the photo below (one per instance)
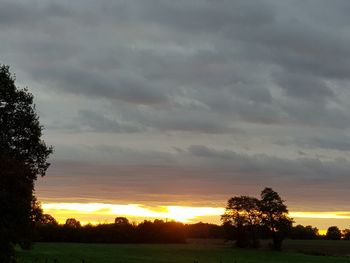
(159, 231)
(122, 231)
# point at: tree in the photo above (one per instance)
(304, 232)
(346, 234)
(244, 214)
(121, 221)
(23, 157)
(72, 223)
(333, 233)
(47, 219)
(275, 216)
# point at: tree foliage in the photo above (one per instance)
(248, 215)
(333, 233)
(72, 223)
(23, 157)
(304, 232)
(346, 234)
(243, 212)
(275, 216)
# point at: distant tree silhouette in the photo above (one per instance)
(22, 158)
(346, 234)
(333, 233)
(304, 232)
(204, 230)
(121, 221)
(73, 223)
(47, 219)
(275, 216)
(244, 214)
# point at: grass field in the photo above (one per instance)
(186, 253)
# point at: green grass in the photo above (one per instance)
(186, 253)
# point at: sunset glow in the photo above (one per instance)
(100, 212)
(95, 213)
(321, 215)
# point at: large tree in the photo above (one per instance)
(23, 157)
(275, 216)
(248, 216)
(243, 213)
(333, 233)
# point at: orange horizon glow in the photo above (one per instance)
(96, 213)
(184, 214)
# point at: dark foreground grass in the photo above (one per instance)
(319, 247)
(186, 253)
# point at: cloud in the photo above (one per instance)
(92, 121)
(233, 57)
(198, 175)
(265, 166)
(237, 87)
(304, 87)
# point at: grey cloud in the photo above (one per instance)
(308, 113)
(221, 54)
(29, 14)
(338, 141)
(189, 118)
(93, 121)
(304, 169)
(240, 71)
(208, 16)
(220, 173)
(334, 143)
(112, 155)
(304, 87)
(117, 85)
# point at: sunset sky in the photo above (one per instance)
(163, 108)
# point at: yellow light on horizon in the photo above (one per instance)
(322, 232)
(187, 214)
(176, 213)
(95, 213)
(321, 215)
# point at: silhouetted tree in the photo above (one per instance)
(73, 223)
(304, 232)
(121, 221)
(244, 214)
(346, 234)
(275, 216)
(22, 158)
(47, 219)
(333, 233)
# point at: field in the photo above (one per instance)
(186, 253)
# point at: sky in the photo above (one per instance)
(160, 103)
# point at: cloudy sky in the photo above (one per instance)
(187, 102)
